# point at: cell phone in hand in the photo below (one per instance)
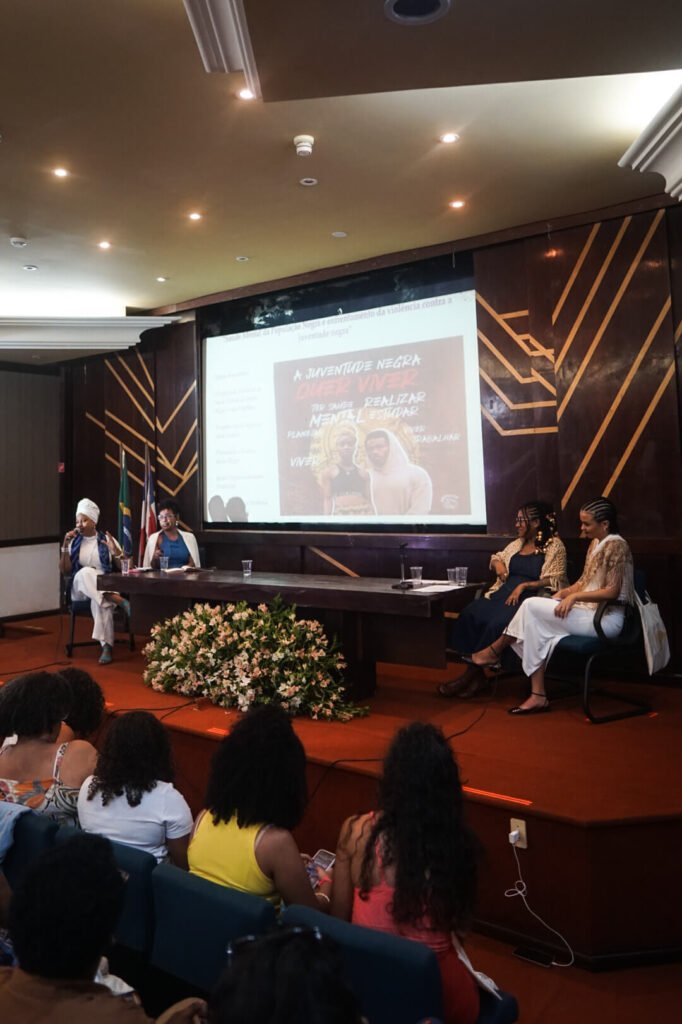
(323, 860)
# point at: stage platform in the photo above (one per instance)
(602, 804)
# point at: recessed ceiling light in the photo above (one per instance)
(194, 216)
(60, 172)
(308, 182)
(416, 12)
(246, 94)
(162, 280)
(242, 259)
(104, 245)
(30, 266)
(339, 234)
(456, 204)
(449, 137)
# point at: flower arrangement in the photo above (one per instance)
(238, 656)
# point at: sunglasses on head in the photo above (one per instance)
(276, 938)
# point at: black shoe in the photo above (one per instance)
(537, 709)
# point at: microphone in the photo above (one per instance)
(404, 583)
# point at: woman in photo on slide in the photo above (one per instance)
(536, 560)
(178, 546)
(345, 485)
(541, 623)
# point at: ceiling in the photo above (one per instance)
(545, 98)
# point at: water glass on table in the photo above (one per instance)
(163, 562)
(247, 567)
(416, 574)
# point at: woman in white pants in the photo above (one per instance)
(541, 622)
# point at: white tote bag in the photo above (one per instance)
(656, 645)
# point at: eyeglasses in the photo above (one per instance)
(279, 938)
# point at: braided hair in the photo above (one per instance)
(604, 511)
(547, 528)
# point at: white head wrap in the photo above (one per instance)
(85, 507)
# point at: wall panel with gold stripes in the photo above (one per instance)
(578, 389)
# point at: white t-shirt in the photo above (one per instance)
(162, 814)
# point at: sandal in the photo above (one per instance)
(465, 686)
(535, 709)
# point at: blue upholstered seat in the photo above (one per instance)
(33, 834)
(195, 921)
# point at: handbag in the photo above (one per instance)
(656, 645)
(481, 979)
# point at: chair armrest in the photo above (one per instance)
(599, 615)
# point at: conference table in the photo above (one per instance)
(375, 622)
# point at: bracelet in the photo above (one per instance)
(323, 896)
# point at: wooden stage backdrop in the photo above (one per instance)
(578, 330)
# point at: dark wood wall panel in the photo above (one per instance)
(146, 397)
(617, 405)
(29, 455)
(518, 395)
(674, 226)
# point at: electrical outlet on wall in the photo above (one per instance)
(519, 825)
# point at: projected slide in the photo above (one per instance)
(369, 417)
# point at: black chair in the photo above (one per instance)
(81, 607)
(612, 653)
(195, 921)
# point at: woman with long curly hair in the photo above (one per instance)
(131, 797)
(256, 795)
(410, 868)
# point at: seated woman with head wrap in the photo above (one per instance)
(541, 622)
(534, 561)
(178, 546)
(86, 554)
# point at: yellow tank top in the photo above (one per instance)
(225, 854)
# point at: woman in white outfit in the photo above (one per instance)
(86, 554)
(541, 622)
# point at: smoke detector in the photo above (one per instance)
(18, 242)
(304, 145)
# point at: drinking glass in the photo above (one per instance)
(461, 575)
(247, 566)
(163, 562)
(416, 574)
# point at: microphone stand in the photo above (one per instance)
(404, 583)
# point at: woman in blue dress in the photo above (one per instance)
(535, 561)
(178, 546)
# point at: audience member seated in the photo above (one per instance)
(86, 554)
(410, 868)
(541, 622)
(256, 796)
(87, 706)
(131, 797)
(38, 770)
(62, 917)
(291, 975)
(178, 546)
(535, 560)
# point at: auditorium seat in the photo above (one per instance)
(135, 929)
(396, 980)
(195, 921)
(33, 834)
